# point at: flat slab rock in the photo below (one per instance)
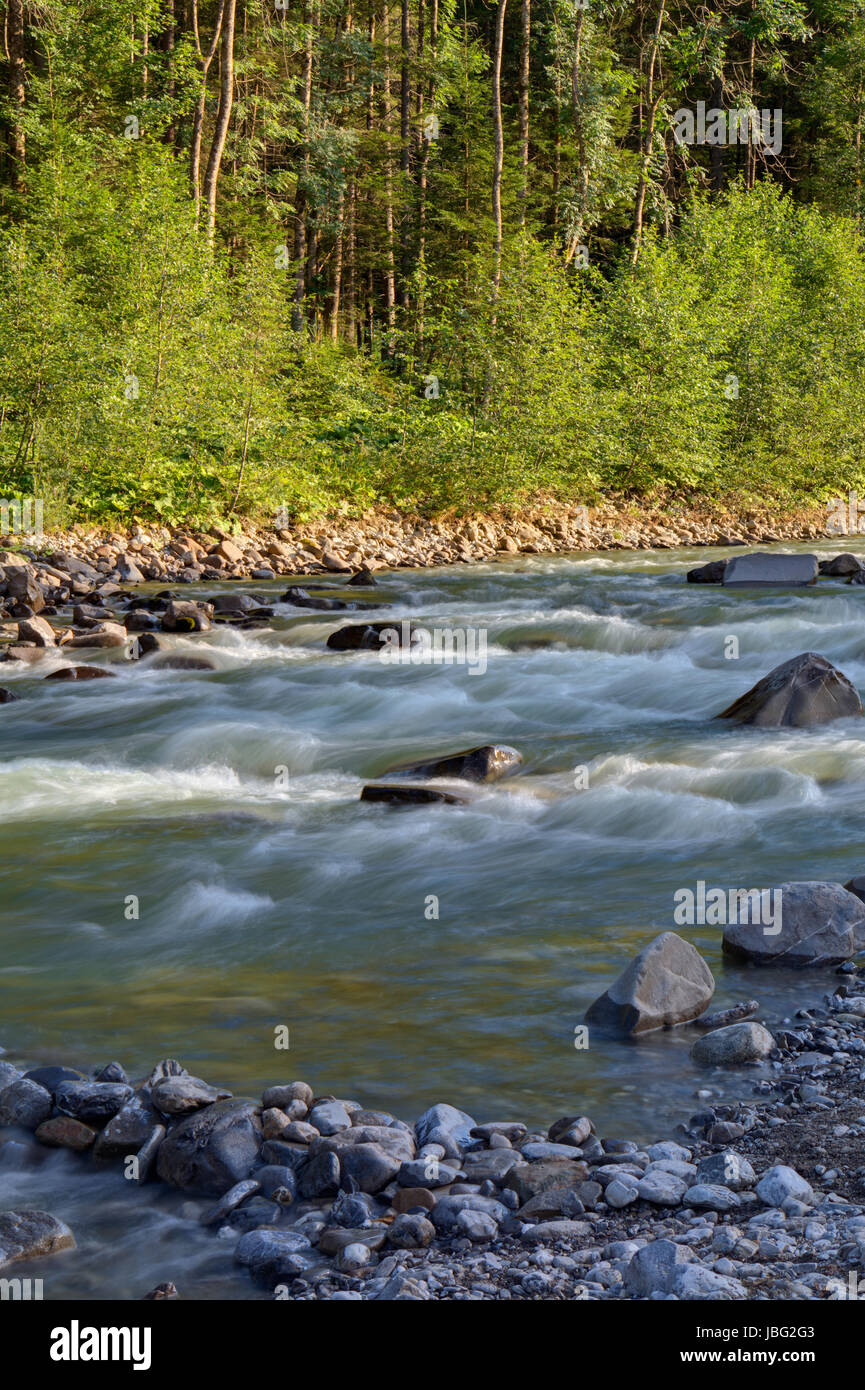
(667, 983)
(760, 567)
(800, 692)
(26, 1234)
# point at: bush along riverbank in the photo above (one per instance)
(759, 1197)
(389, 539)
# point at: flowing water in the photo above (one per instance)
(269, 897)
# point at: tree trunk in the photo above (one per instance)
(223, 116)
(390, 271)
(407, 211)
(17, 90)
(525, 48)
(300, 236)
(204, 62)
(499, 155)
(649, 137)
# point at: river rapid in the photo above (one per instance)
(223, 808)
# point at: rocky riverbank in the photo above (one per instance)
(760, 1197)
(393, 540)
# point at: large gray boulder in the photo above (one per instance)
(820, 924)
(740, 1042)
(212, 1149)
(760, 567)
(667, 983)
(805, 690)
(485, 764)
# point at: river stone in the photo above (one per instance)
(369, 1166)
(405, 1199)
(426, 1172)
(275, 1177)
(740, 1042)
(761, 567)
(622, 1191)
(660, 1188)
(329, 1116)
(667, 983)
(177, 1095)
(408, 795)
(780, 1184)
(530, 1179)
(800, 692)
(149, 1152)
(542, 1149)
(336, 1238)
(79, 673)
(367, 637)
(319, 1177)
(399, 1143)
(25, 1103)
(485, 764)
(668, 1149)
(183, 615)
(444, 1124)
(446, 1210)
(511, 1129)
(696, 1282)
(577, 1128)
(91, 1100)
(62, 1132)
(126, 1131)
(704, 1196)
(555, 1230)
(8, 1074)
(477, 1226)
(52, 1077)
(821, 924)
(353, 1257)
(490, 1165)
(273, 1255)
(282, 1096)
(230, 1201)
(26, 1234)
(655, 1267)
(551, 1203)
(410, 1231)
(726, 1169)
(212, 1149)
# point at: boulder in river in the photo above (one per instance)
(184, 615)
(410, 795)
(730, 1046)
(212, 1149)
(484, 764)
(759, 568)
(711, 573)
(815, 924)
(666, 984)
(805, 690)
(6, 696)
(79, 673)
(367, 637)
(841, 566)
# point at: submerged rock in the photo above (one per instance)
(666, 984)
(740, 1042)
(805, 690)
(816, 924)
(367, 637)
(410, 796)
(711, 573)
(79, 673)
(484, 764)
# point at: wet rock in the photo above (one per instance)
(840, 566)
(444, 1124)
(410, 1232)
(821, 924)
(212, 1149)
(62, 1132)
(711, 573)
(364, 579)
(21, 586)
(666, 984)
(488, 763)
(336, 1238)
(37, 630)
(329, 1117)
(759, 568)
(25, 1235)
(410, 795)
(368, 1165)
(233, 603)
(319, 1177)
(79, 673)
(740, 1042)
(25, 1103)
(6, 696)
(184, 615)
(803, 691)
(271, 1256)
(711, 1197)
(734, 1014)
(282, 1096)
(299, 598)
(148, 1154)
(353, 1257)
(180, 661)
(177, 1095)
(53, 1076)
(96, 1101)
(367, 637)
(230, 1201)
(126, 1131)
(127, 571)
(165, 1290)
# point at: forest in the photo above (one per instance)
(327, 255)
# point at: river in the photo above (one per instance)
(270, 898)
